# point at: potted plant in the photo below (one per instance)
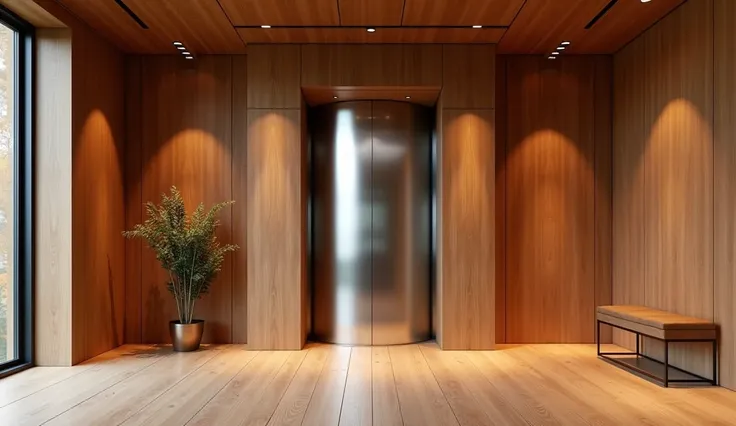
(188, 249)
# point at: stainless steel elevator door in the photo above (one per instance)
(371, 222)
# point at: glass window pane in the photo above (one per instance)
(8, 338)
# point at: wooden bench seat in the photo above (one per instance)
(661, 325)
(655, 323)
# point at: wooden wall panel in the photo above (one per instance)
(501, 134)
(186, 110)
(239, 191)
(92, 296)
(275, 223)
(725, 187)
(371, 65)
(53, 198)
(667, 78)
(273, 76)
(468, 76)
(467, 233)
(550, 200)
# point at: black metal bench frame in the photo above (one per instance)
(665, 381)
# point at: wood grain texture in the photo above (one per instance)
(468, 75)
(467, 233)
(133, 199)
(550, 210)
(273, 76)
(448, 12)
(500, 230)
(603, 165)
(675, 142)
(371, 65)
(275, 225)
(53, 198)
(371, 12)
(187, 142)
(725, 187)
(421, 95)
(201, 25)
(281, 12)
(534, 384)
(391, 35)
(239, 195)
(33, 13)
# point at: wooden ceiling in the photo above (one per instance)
(227, 26)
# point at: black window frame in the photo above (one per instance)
(23, 192)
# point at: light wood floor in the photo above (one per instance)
(330, 385)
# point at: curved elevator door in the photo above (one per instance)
(371, 222)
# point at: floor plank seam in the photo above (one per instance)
(286, 388)
(396, 389)
(104, 389)
(259, 353)
(222, 351)
(344, 387)
(439, 385)
(316, 383)
(45, 387)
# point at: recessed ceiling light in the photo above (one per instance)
(181, 47)
(408, 97)
(177, 43)
(565, 43)
(645, 1)
(551, 57)
(185, 53)
(334, 97)
(555, 53)
(190, 57)
(560, 47)
(477, 26)
(265, 26)
(371, 30)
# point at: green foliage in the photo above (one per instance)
(186, 247)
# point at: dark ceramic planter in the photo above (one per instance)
(186, 337)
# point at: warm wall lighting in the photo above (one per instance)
(371, 30)
(477, 26)
(265, 26)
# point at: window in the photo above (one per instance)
(15, 184)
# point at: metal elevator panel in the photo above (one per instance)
(371, 204)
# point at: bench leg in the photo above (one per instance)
(598, 337)
(637, 344)
(715, 363)
(666, 363)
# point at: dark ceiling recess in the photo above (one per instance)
(601, 13)
(131, 14)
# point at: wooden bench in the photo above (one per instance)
(660, 325)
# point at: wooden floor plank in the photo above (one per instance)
(327, 384)
(421, 400)
(474, 400)
(238, 398)
(293, 405)
(358, 400)
(386, 409)
(54, 400)
(326, 402)
(186, 398)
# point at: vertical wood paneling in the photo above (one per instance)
(53, 198)
(133, 199)
(468, 74)
(467, 233)
(603, 163)
(187, 142)
(550, 200)
(501, 133)
(275, 222)
(239, 300)
(725, 187)
(664, 122)
(274, 76)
